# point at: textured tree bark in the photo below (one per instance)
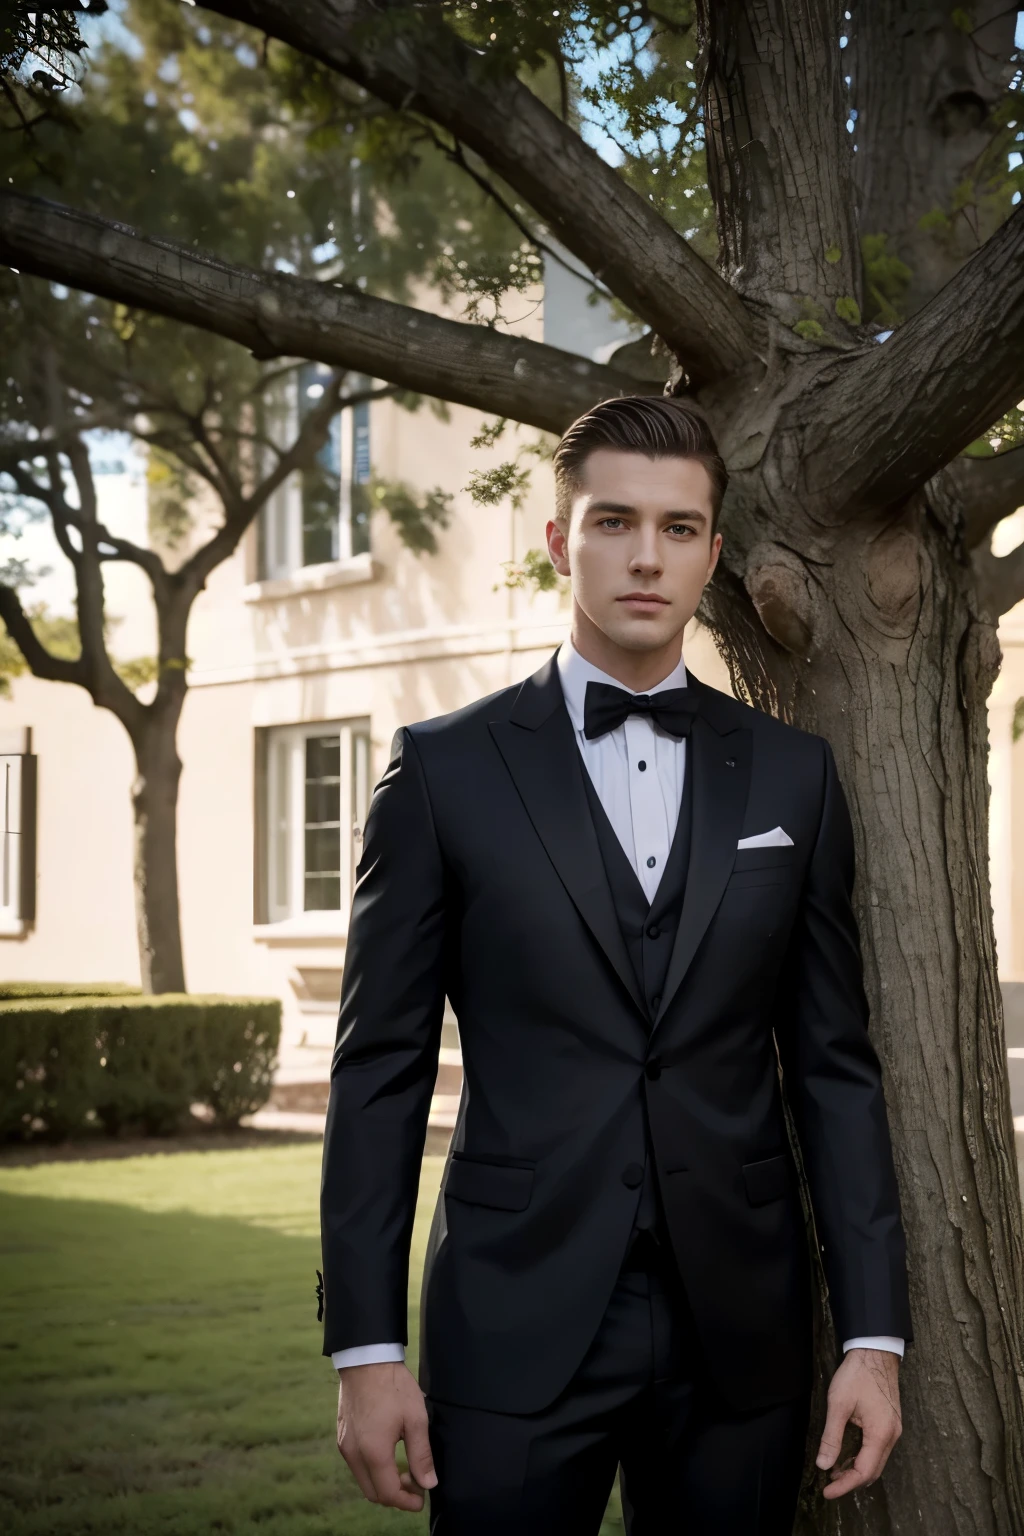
(872, 637)
(779, 158)
(155, 804)
(923, 90)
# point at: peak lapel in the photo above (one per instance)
(543, 759)
(719, 757)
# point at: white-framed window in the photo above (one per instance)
(317, 794)
(321, 514)
(17, 832)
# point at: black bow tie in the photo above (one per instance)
(606, 707)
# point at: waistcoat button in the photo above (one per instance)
(633, 1175)
(654, 932)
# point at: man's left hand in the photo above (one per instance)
(865, 1391)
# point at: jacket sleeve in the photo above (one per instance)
(385, 1062)
(832, 1080)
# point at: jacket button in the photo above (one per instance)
(654, 932)
(653, 1068)
(633, 1175)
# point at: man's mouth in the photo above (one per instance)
(643, 602)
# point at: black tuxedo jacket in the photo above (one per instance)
(481, 877)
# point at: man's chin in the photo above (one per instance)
(642, 632)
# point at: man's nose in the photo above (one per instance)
(646, 558)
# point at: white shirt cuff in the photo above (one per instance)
(369, 1354)
(881, 1341)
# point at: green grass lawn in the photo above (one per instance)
(160, 1366)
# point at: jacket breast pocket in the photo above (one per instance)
(769, 1179)
(761, 866)
(503, 1186)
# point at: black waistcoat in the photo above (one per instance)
(649, 929)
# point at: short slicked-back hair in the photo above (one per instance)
(655, 425)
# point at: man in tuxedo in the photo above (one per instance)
(635, 891)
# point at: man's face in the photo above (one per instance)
(638, 547)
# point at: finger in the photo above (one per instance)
(867, 1465)
(839, 1410)
(387, 1484)
(360, 1471)
(417, 1450)
(410, 1485)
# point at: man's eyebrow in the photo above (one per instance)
(620, 508)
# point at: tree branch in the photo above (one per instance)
(456, 154)
(595, 214)
(894, 414)
(276, 315)
(240, 510)
(988, 489)
(52, 669)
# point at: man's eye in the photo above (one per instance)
(680, 528)
(608, 522)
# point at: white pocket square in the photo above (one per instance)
(776, 838)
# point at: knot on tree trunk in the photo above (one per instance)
(894, 577)
(776, 579)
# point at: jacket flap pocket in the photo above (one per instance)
(768, 1179)
(503, 1186)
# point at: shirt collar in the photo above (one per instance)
(575, 672)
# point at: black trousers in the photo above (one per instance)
(690, 1466)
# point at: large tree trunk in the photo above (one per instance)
(155, 802)
(876, 644)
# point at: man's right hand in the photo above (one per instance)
(378, 1405)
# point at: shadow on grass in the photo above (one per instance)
(161, 1367)
(162, 1371)
(100, 1148)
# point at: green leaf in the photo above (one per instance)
(534, 571)
(810, 330)
(833, 254)
(934, 221)
(849, 310)
(489, 487)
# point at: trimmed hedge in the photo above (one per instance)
(132, 1062)
(19, 989)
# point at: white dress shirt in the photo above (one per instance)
(637, 770)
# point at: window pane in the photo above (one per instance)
(360, 777)
(279, 827)
(321, 482)
(322, 804)
(361, 478)
(322, 832)
(323, 893)
(323, 851)
(323, 757)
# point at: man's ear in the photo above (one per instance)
(716, 550)
(558, 546)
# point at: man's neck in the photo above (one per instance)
(636, 670)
